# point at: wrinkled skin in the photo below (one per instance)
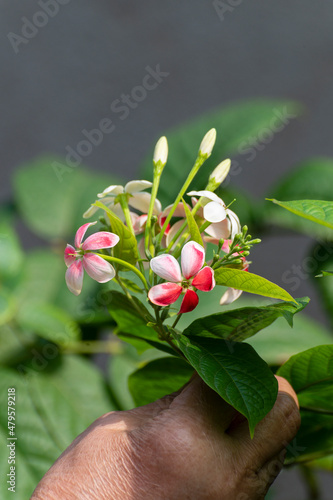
(189, 445)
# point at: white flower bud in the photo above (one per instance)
(208, 142)
(220, 172)
(161, 151)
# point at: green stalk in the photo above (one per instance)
(158, 168)
(183, 226)
(124, 206)
(199, 161)
(125, 264)
(92, 347)
(204, 226)
(129, 296)
(176, 320)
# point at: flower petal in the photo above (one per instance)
(138, 222)
(167, 267)
(164, 294)
(90, 212)
(214, 212)
(81, 232)
(173, 230)
(194, 201)
(219, 230)
(207, 194)
(192, 258)
(230, 296)
(235, 226)
(179, 212)
(157, 207)
(190, 302)
(97, 268)
(99, 240)
(74, 277)
(140, 201)
(116, 209)
(70, 255)
(136, 186)
(226, 246)
(204, 280)
(111, 190)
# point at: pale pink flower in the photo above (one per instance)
(80, 258)
(194, 277)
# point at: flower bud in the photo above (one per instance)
(220, 172)
(161, 151)
(207, 143)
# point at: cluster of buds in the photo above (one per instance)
(161, 236)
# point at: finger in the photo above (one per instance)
(275, 431)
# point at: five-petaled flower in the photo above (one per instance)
(79, 258)
(224, 222)
(194, 277)
(137, 199)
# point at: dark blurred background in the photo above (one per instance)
(61, 77)
(65, 62)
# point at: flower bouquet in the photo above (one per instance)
(163, 260)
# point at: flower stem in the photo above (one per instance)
(199, 161)
(163, 334)
(156, 182)
(125, 208)
(126, 264)
(129, 296)
(176, 321)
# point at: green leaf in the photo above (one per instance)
(317, 211)
(321, 254)
(277, 343)
(49, 322)
(313, 440)
(11, 255)
(52, 204)
(56, 399)
(192, 225)
(311, 375)
(240, 324)
(236, 372)
(325, 273)
(248, 282)
(237, 125)
(33, 285)
(158, 378)
(130, 285)
(127, 248)
(131, 322)
(7, 306)
(311, 180)
(325, 463)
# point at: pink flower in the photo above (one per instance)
(196, 277)
(79, 258)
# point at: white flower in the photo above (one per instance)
(138, 200)
(208, 142)
(225, 223)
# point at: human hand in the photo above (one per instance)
(188, 445)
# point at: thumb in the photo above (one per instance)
(276, 430)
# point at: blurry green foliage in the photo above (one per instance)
(41, 322)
